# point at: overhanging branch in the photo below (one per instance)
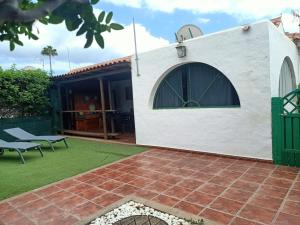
(11, 12)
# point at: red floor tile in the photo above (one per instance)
(216, 216)
(166, 200)
(67, 184)
(201, 176)
(286, 219)
(91, 193)
(253, 178)
(259, 171)
(86, 210)
(297, 186)
(190, 184)
(283, 175)
(100, 172)
(258, 214)
(222, 181)
(263, 165)
(63, 220)
(110, 185)
(23, 221)
(141, 182)
(288, 169)
(238, 168)
(97, 181)
(5, 207)
(158, 186)
(189, 207)
(79, 188)
(177, 192)
(273, 191)
(237, 195)
(33, 206)
(107, 199)
(59, 196)
(126, 178)
(294, 195)
(283, 183)
(114, 174)
(47, 191)
(47, 214)
(86, 177)
(266, 201)
(292, 208)
(212, 189)
(146, 194)
(171, 179)
(182, 172)
(200, 198)
(245, 186)
(71, 202)
(11, 216)
(126, 189)
(240, 221)
(226, 205)
(230, 174)
(24, 199)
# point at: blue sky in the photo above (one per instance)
(156, 23)
(165, 24)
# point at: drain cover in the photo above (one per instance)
(141, 220)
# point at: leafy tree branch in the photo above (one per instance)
(18, 16)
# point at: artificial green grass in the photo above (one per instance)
(82, 155)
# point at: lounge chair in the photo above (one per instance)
(23, 135)
(19, 147)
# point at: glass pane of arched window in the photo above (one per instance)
(286, 83)
(195, 85)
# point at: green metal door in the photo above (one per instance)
(286, 129)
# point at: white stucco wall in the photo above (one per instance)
(280, 47)
(246, 131)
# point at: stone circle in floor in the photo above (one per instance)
(141, 220)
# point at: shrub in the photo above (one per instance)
(23, 93)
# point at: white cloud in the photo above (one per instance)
(290, 23)
(130, 3)
(238, 8)
(117, 44)
(203, 20)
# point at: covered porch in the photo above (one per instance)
(96, 101)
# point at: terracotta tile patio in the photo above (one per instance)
(226, 190)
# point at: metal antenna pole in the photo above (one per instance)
(136, 52)
(68, 50)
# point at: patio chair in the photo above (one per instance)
(23, 135)
(19, 147)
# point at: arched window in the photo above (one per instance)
(287, 81)
(195, 85)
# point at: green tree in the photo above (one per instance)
(49, 51)
(23, 93)
(18, 16)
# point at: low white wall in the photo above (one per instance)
(280, 47)
(246, 131)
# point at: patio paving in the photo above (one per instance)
(225, 190)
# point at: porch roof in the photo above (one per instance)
(110, 66)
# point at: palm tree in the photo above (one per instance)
(49, 51)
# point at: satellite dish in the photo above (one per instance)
(188, 31)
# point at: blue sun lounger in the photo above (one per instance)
(19, 147)
(23, 135)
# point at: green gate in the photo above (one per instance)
(286, 129)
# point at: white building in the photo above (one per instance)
(217, 98)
